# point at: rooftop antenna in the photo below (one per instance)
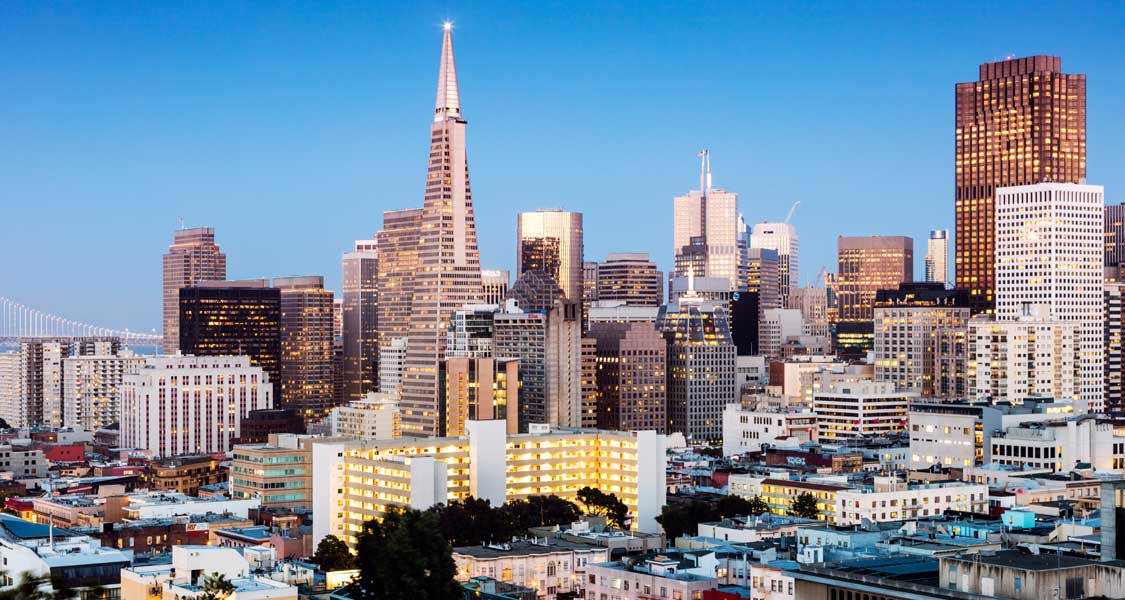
(704, 172)
(181, 222)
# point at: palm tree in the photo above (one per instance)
(216, 586)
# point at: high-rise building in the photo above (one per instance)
(937, 254)
(177, 405)
(776, 327)
(360, 314)
(813, 304)
(906, 322)
(11, 388)
(705, 234)
(392, 364)
(762, 272)
(193, 257)
(448, 272)
(307, 379)
(1113, 333)
(478, 389)
(1114, 234)
(867, 265)
(631, 380)
(32, 377)
(372, 418)
(233, 318)
(470, 331)
(629, 277)
(1050, 251)
(701, 376)
(860, 409)
(782, 238)
(1022, 122)
(496, 283)
(551, 240)
(91, 388)
(536, 291)
(394, 282)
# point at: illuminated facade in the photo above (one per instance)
(448, 272)
(906, 322)
(701, 373)
(176, 405)
(1114, 234)
(551, 240)
(782, 238)
(937, 255)
(495, 283)
(705, 232)
(232, 318)
(631, 386)
(480, 389)
(1050, 252)
(278, 473)
(360, 324)
(629, 277)
(1022, 122)
(193, 257)
(91, 389)
(307, 378)
(361, 479)
(866, 265)
(1113, 302)
(398, 261)
(860, 409)
(762, 270)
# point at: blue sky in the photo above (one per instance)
(291, 126)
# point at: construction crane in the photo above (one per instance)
(789, 215)
(820, 277)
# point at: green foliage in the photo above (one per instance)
(758, 506)
(215, 586)
(684, 518)
(475, 521)
(597, 502)
(405, 557)
(805, 506)
(333, 554)
(539, 511)
(33, 587)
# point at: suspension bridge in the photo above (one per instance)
(18, 321)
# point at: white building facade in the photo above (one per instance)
(92, 389)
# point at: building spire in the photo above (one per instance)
(448, 100)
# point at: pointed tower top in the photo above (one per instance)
(448, 100)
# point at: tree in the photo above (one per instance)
(597, 502)
(404, 556)
(38, 587)
(758, 506)
(684, 518)
(539, 511)
(471, 521)
(733, 506)
(216, 586)
(805, 506)
(332, 554)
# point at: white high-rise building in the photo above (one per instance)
(392, 363)
(1033, 356)
(11, 386)
(781, 237)
(1049, 251)
(175, 405)
(372, 418)
(91, 388)
(705, 231)
(937, 253)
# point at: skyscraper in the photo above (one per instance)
(551, 240)
(233, 318)
(705, 233)
(867, 265)
(397, 245)
(631, 382)
(781, 237)
(629, 277)
(937, 254)
(307, 379)
(360, 321)
(448, 272)
(496, 283)
(1049, 251)
(1022, 122)
(1114, 234)
(193, 257)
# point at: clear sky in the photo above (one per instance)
(291, 126)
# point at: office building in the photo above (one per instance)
(951, 434)
(1022, 122)
(705, 235)
(1113, 332)
(91, 388)
(307, 378)
(860, 409)
(478, 389)
(763, 276)
(372, 418)
(1060, 445)
(631, 379)
(745, 429)
(363, 478)
(745, 323)
(360, 321)
(495, 283)
(193, 257)
(536, 291)
(448, 273)
(867, 265)
(398, 261)
(781, 238)
(392, 364)
(629, 277)
(551, 241)
(906, 322)
(176, 405)
(278, 473)
(1114, 234)
(1049, 252)
(701, 374)
(937, 254)
(813, 304)
(777, 326)
(233, 318)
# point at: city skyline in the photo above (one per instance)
(248, 235)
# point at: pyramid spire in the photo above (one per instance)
(448, 100)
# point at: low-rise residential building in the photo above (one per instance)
(780, 494)
(75, 560)
(183, 577)
(743, 530)
(23, 462)
(550, 565)
(184, 474)
(162, 505)
(656, 576)
(889, 499)
(745, 430)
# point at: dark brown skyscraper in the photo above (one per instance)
(193, 257)
(1023, 122)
